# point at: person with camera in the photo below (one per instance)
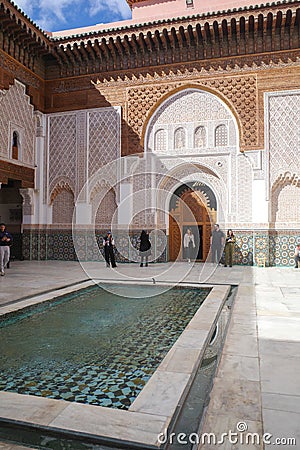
(5, 243)
(229, 248)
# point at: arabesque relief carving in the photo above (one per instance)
(239, 92)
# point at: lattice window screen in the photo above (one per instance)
(221, 136)
(180, 138)
(161, 140)
(200, 137)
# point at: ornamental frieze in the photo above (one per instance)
(223, 66)
(18, 72)
(197, 68)
(79, 84)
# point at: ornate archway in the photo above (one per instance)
(193, 205)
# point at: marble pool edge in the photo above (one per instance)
(151, 412)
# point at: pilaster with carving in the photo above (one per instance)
(28, 201)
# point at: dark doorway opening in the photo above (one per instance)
(193, 206)
(11, 213)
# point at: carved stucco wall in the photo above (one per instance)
(106, 210)
(17, 115)
(63, 207)
(288, 204)
(228, 174)
(80, 143)
(143, 182)
(283, 141)
(104, 138)
(240, 93)
(187, 111)
(62, 150)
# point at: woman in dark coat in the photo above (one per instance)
(108, 245)
(145, 248)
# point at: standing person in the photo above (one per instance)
(229, 248)
(217, 243)
(10, 245)
(108, 245)
(5, 242)
(145, 248)
(189, 243)
(297, 256)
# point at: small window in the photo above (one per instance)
(189, 3)
(179, 138)
(200, 137)
(160, 141)
(15, 145)
(221, 136)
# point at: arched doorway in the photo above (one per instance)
(193, 205)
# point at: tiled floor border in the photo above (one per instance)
(151, 412)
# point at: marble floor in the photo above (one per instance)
(256, 389)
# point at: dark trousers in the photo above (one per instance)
(297, 261)
(189, 251)
(109, 255)
(229, 251)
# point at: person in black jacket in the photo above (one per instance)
(108, 245)
(5, 243)
(145, 248)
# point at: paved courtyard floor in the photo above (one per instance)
(257, 384)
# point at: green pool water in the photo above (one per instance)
(94, 347)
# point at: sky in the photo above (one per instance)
(57, 15)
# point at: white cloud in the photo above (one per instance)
(60, 14)
(115, 7)
(58, 8)
(27, 6)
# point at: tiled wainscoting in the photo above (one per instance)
(270, 248)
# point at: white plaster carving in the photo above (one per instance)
(17, 115)
(28, 201)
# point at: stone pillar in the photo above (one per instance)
(42, 213)
(28, 204)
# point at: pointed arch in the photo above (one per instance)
(63, 203)
(104, 204)
(286, 199)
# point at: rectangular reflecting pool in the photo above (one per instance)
(94, 346)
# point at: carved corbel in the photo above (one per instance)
(28, 201)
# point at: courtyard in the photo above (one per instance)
(256, 384)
